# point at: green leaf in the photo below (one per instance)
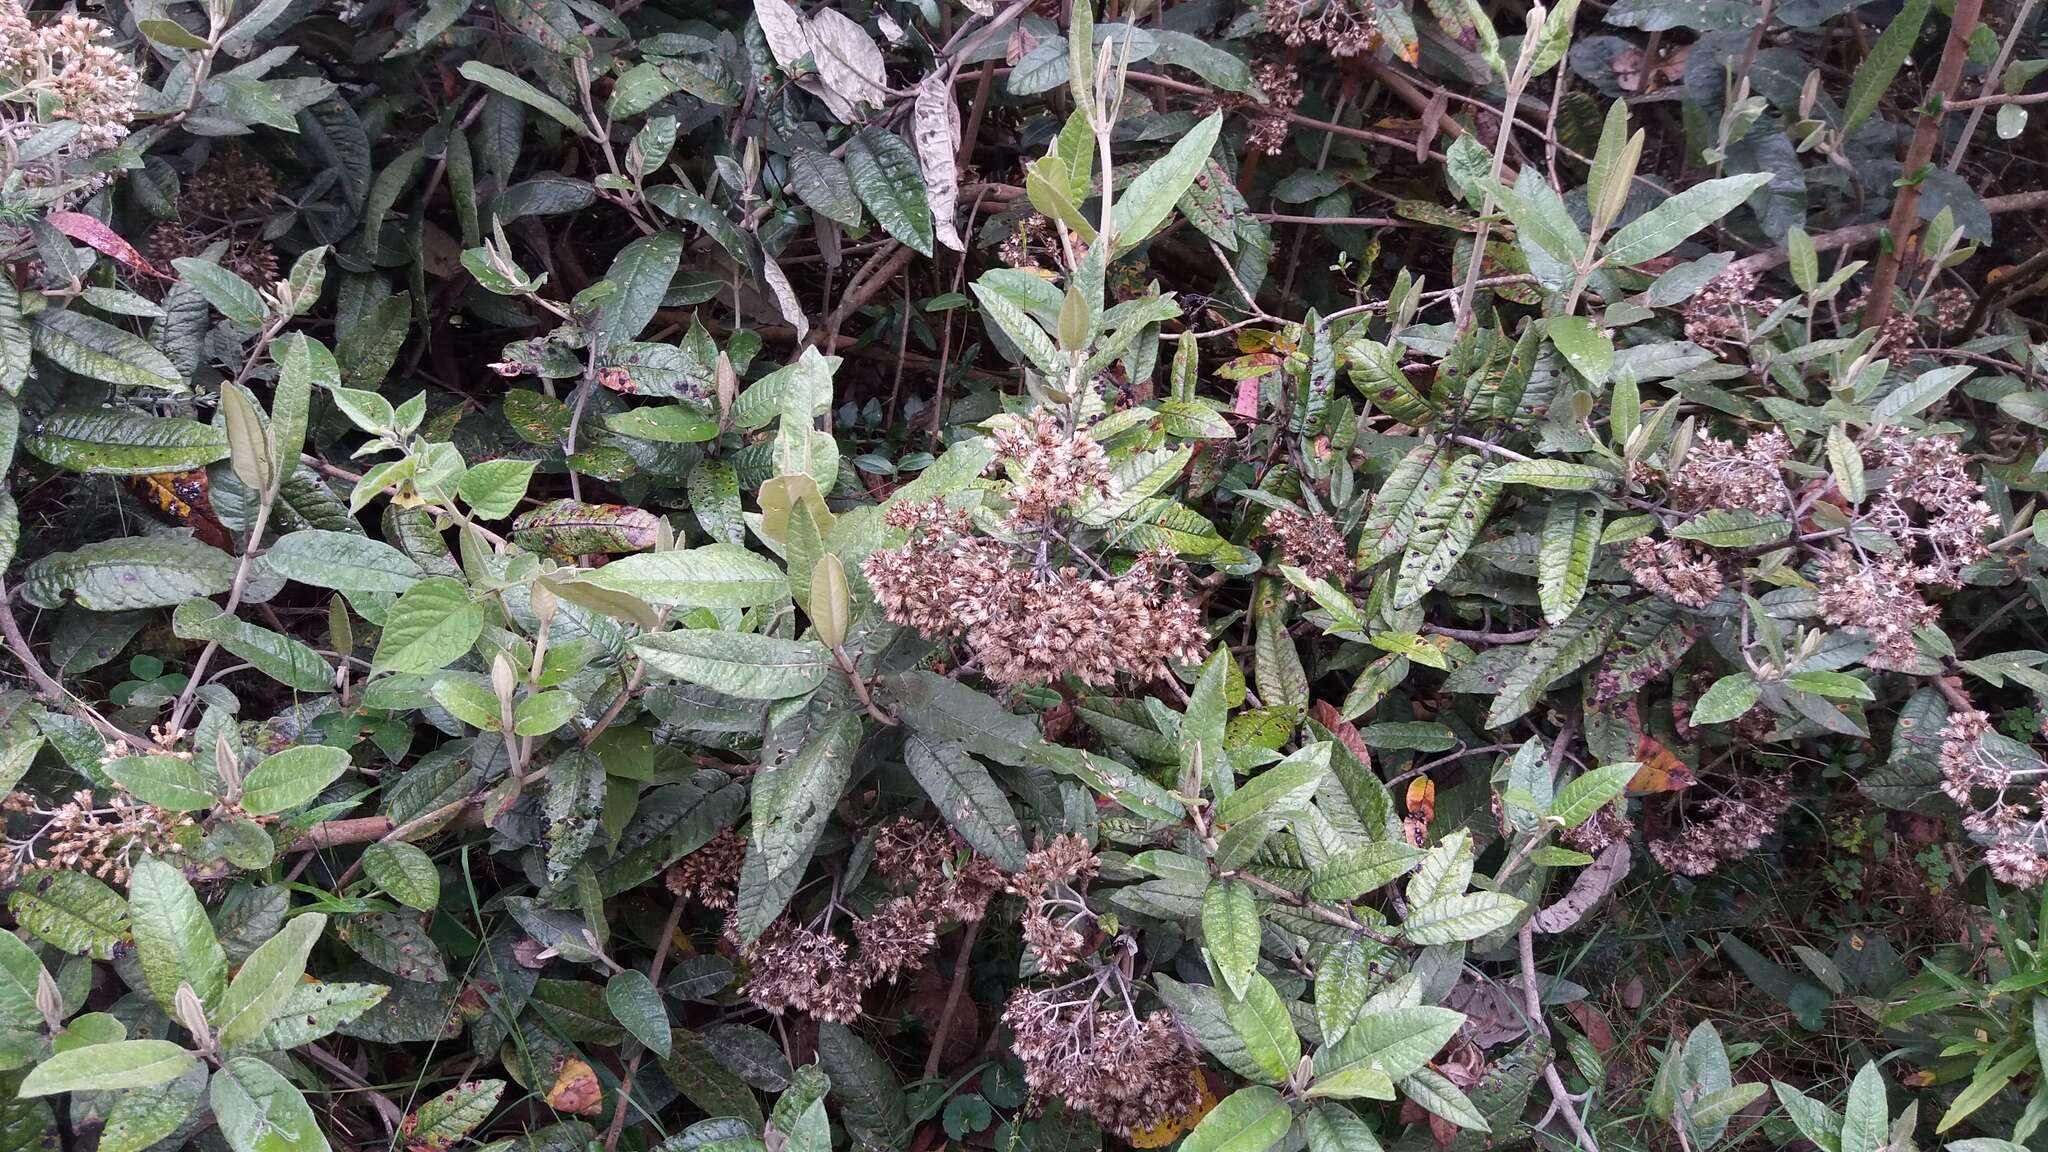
(1815, 1120)
(105, 1067)
(174, 941)
(1585, 347)
(1589, 792)
(136, 572)
(1230, 932)
(1674, 220)
(1728, 698)
(119, 442)
(1559, 475)
(695, 1071)
(636, 1003)
(165, 781)
(1837, 685)
(21, 976)
(275, 655)
(431, 626)
(405, 873)
(544, 712)
(258, 1110)
(792, 803)
(292, 777)
(713, 576)
(1450, 919)
(1447, 526)
(1023, 331)
(1344, 981)
(469, 697)
(673, 424)
(1564, 556)
(72, 911)
(1142, 207)
(494, 488)
(1399, 504)
(640, 275)
(144, 1116)
(1881, 65)
(1866, 1116)
(443, 1121)
(1251, 1119)
(1355, 871)
(1261, 1023)
(266, 979)
(967, 797)
(505, 84)
(1916, 395)
(342, 561)
(1733, 528)
(97, 350)
(1282, 788)
(1436, 1094)
(886, 177)
(745, 665)
(1395, 1041)
(231, 295)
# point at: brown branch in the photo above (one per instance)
(1856, 234)
(1919, 155)
(953, 994)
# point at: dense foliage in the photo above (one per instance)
(894, 574)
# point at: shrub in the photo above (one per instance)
(677, 576)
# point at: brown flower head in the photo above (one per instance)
(1729, 828)
(1310, 543)
(1880, 595)
(1679, 569)
(1054, 470)
(1125, 1072)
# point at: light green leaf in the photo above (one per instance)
(258, 1110)
(277, 656)
(1261, 1023)
(405, 873)
(105, 1067)
(266, 979)
(1560, 475)
(1230, 931)
(506, 84)
(493, 488)
(1880, 65)
(1674, 220)
(749, 666)
(165, 781)
(119, 442)
(1251, 1119)
(1450, 919)
(429, 627)
(174, 941)
(1578, 801)
(72, 911)
(1396, 1041)
(231, 295)
(292, 777)
(544, 712)
(135, 572)
(97, 350)
(1281, 788)
(1142, 207)
(1564, 557)
(1728, 698)
(792, 802)
(342, 561)
(1355, 871)
(1447, 526)
(713, 576)
(1585, 347)
(636, 1003)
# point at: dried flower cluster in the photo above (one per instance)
(103, 841)
(1101, 1058)
(1732, 827)
(1335, 24)
(1679, 569)
(1311, 543)
(1033, 627)
(66, 62)
(1721, 311)
(231, 184)
(808, 969)
(1021, 247)
(1985, 787)
(1054, 471)
(1054, 912)
(1718, 474)
(246, 256)
(711, 874)
(1879, 595)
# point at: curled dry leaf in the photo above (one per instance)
(1593, 883)
(576, 1091)
(935, 129)
(848, 61)
(785, 297)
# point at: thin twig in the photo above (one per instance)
(953, 995)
